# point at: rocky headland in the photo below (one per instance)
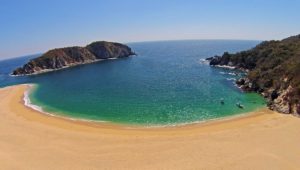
(273, 70)
(71, 56)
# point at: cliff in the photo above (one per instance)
(70, 56)
(273, 70)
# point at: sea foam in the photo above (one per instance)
(27, 101)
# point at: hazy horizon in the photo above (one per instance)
(149, 41)
(35, 26)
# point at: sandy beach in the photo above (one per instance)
(32, 140)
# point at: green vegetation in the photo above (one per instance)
(69, 56)
(273, 66)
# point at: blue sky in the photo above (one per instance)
(33, 26)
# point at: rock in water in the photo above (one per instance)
(273, 70)
(70, 56)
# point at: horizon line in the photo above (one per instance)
(205, 39)
(133, 42)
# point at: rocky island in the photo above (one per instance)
(71, 56)
(273, 70)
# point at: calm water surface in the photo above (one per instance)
(165, 84)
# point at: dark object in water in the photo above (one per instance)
(239, 105)
(222, 101)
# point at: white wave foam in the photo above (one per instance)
(203, 61)
(28, 103)
(218, 119)
(233, 74)
(224, 66)
(231, 79)
(230, 73)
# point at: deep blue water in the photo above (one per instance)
(165, 84)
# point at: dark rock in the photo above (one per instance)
(71, 56)
(215, 60)
(268, 83)
(298, 109)
(260, 90)
(209, 58)
(225, 59)
(104, 50)
(240, 82)
(274, 95)
(270, 65)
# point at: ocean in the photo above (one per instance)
(166, 84)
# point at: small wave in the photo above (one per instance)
(27, 103)
(199, 122)
(230, 73)
(233, 74)
(203, 61)
(231, 79)
(224, 66)
(112, 58)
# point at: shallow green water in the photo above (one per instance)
(166, 84)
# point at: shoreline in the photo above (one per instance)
(62, 68)
(40, 110)
(66, 67)
(31, 140)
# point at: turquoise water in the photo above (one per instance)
(165, 84)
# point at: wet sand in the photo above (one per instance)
(32, 140)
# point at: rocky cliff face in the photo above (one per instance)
(273, 70)
(71, 56)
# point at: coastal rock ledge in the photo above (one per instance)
(273, 70)
(71, 56)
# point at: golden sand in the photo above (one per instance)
(32, 140)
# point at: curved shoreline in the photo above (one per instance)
(27, 103)
(31, 140)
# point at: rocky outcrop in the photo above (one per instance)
(273, 70)
(65, 57)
